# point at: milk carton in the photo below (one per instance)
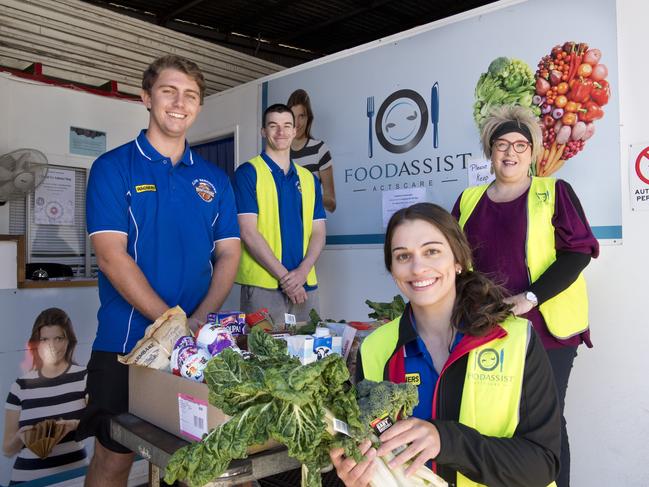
(322, 342)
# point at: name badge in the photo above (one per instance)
(414, 378)
(141, 188)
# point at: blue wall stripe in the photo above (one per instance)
(62, 476)
(604, 232)
(56, 478)
(264, 105)
(375, 238)
(264, 96)
(608, 232)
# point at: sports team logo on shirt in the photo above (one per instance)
(298, 186)
(204, 189)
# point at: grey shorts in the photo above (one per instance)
(254, 298)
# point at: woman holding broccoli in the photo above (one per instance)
(488, 412)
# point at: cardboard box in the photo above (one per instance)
(175, 404)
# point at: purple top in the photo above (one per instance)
(497, 234)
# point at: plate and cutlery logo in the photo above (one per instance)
(402, 120)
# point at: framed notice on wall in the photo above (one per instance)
(54, 198)
(87, 142)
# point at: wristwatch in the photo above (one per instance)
(531, 297)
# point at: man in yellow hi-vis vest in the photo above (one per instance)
(282, 222)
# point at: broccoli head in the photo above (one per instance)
(376, 399)
(497, 65)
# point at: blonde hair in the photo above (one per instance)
(511, 113)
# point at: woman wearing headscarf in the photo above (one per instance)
(531, 235)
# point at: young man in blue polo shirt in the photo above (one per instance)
(163, 224)
(282, 223)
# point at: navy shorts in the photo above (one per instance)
(107, 386)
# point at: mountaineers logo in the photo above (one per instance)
(204, 189)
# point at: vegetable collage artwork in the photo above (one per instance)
(570, 90)
(310, 409)
(567, 92)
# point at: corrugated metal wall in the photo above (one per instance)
(87, 44)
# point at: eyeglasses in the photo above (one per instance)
(519, 146)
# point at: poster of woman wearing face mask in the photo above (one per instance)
(44, 405)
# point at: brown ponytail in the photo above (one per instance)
(479, 304)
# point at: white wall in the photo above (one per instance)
(33, 115)
(39, 116)
(608, 399)
(235, 113)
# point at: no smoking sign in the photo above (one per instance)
(639, 176)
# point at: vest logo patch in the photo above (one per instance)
(488, 368)
(141, 188)
(489, 359)
(414, 378)
(543, 197)
(204, 189)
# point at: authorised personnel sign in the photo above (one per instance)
(639, 176)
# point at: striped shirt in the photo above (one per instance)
(39, 398)
(314, 156)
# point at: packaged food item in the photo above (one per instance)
(215, 339)
(337, 345)
(185, 341)
(147, 353)
(346, 332)
(301, 346)
(260, 318)
(235, 321)
(193, 362)
(322, 342)
(168, 328)
(363, 329)
(155, 347)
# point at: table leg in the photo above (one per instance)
(154, 475)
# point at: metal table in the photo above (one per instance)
(156, 446)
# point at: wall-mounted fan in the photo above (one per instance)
(20, 172)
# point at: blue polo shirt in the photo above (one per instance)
(172, 217)
(418, 362)
(289, 202)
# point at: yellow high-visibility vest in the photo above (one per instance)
(250, 272)
(493, 382)
(566, 314)
(493, 385)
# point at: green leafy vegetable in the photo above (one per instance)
(272, 396)
(378, 400)
(506, 82)
(387, 311)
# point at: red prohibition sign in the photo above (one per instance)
(644, 153)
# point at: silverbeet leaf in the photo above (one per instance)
(271, 395)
